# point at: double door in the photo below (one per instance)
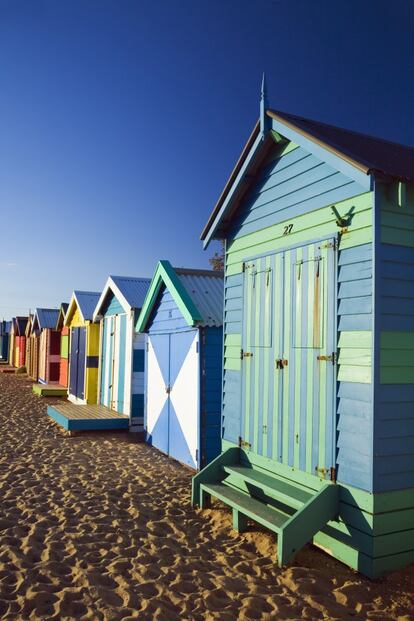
(288, 358)
(173, 383)
(113, 363)
(77, 362)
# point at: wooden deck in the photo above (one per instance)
(86, 417)
(50, 390)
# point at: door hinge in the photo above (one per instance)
(332, 474)
(332, 358)
(196, 456)
(330, 244)
(243, 266)
(244, 443)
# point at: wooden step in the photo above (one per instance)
(284, 492)
(271, 518)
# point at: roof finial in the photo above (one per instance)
(264, 104)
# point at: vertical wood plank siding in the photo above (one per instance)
(211, 370)
(297, 189)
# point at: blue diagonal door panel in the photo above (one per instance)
(158, 387)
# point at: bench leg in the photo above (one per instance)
(205, 499)
(239, 521)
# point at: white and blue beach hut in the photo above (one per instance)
(183, 316)
(122, 351)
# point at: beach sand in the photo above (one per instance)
(97, 526)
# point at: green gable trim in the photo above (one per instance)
(165, 275)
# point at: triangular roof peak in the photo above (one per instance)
(85, 302)
(358, 155)
(197, 293)
(130, 291)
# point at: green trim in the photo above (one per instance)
(165, 274)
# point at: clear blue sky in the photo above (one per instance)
(120, 120)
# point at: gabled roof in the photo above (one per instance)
(46, 318)
(62, 314)
(129, 291)
(197, 293)
(365, 154)
(85, 302)
(29, 324)
(21, 325)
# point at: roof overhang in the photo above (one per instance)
(73, 306)
(166, 275)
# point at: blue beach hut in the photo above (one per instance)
(183, 316)
(318, 385)
(4, 340)
(122, 351)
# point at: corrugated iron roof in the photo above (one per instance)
(206, 289)
(47, 317)
(374, 154)
(87, 300)
(133, 289)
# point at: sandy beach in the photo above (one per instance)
(100, 527)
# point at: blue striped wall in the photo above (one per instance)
(354, 406)
(211, 370)
(394, 388)
(289, 186)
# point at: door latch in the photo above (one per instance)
(168, 389)
(246, 354)
(331, 358)
(281, 363)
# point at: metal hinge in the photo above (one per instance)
(331, 244)
(244, 443)
(243, 266)
(332, 472)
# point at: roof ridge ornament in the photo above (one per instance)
(264, 104)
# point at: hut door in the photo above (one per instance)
(309, 347)
(261, 344)
(173, 395)
(288, 358)
(77, 362)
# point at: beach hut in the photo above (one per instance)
(17, 353)
(64, 345)
(83, 347)
(183, 317)
(32, 350)
(122, 351)
(44, 321)
(5, 327)
(318, 385)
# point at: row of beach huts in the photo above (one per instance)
(287, 383)
(93, 350)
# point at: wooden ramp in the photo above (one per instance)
(49, 390)
(86, 417)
